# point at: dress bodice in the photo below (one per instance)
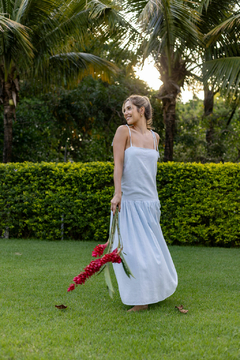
(139, 174)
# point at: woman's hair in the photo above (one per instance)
(141, 101)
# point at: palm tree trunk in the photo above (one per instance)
(169, 116)
(9, 97)
(208, 101)
(172, 82)
(208, 110)
(8, 116)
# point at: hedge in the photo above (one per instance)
(200, 203)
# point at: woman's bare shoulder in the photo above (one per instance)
(121, 136)
(122, 129)
(121, 132)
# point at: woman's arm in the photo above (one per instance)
(119, 146)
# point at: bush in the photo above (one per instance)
(35, 198)
(200, 203)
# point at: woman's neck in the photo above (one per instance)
(141, 127)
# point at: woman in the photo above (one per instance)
(135, 149)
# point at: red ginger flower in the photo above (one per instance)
(94, 267)
(80, 279)
(71, 287)
(112, 257)
(98, 250)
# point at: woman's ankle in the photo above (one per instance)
(138, 308)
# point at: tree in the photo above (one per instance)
(171, 32)
(79, 123)
(212, 14)
(43, 41)
(190, 140)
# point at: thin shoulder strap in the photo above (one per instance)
(129, 134)
(155, 140)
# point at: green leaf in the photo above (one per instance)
(112, 231)
(101, 270)
(125, 266)
(108, 280)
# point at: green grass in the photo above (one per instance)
(96, 327)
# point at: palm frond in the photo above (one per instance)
(203, 6)
(229, 26)
(7, 24)
(83, 59)
(58, 34)
(134, 8)
(97, 7)
(214, 12)
(15, 39)
(67, 69)
(169, 24)
(110, 13)
(32, 12)
(225, 72)
(82, 20)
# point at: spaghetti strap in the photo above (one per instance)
(155, 140)
(129, 134)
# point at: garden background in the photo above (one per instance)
(66, 68)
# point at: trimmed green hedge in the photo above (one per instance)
(200, 203)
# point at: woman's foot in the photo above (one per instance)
(138, 308)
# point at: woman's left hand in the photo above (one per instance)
(116, 202)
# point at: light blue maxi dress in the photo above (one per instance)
(155, 276)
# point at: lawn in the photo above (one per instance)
(36, 274)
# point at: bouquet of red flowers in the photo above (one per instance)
(102, 264)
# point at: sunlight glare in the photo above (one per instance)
(150, 75)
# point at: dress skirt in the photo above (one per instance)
(147, 255)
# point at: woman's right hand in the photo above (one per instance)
(116, 202)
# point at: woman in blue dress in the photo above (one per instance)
(135, 149)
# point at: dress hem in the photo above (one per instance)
(150, 303)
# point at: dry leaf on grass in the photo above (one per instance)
(18, 253)
(181, 309)
(61, 306)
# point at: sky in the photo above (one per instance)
(150, 74)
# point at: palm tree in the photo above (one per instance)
(171, 32)
(43, 42)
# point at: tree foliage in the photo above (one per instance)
(191, 144)
(79, 123)
(43, 42)
(50, 46)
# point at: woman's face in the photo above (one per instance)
(131, 113)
